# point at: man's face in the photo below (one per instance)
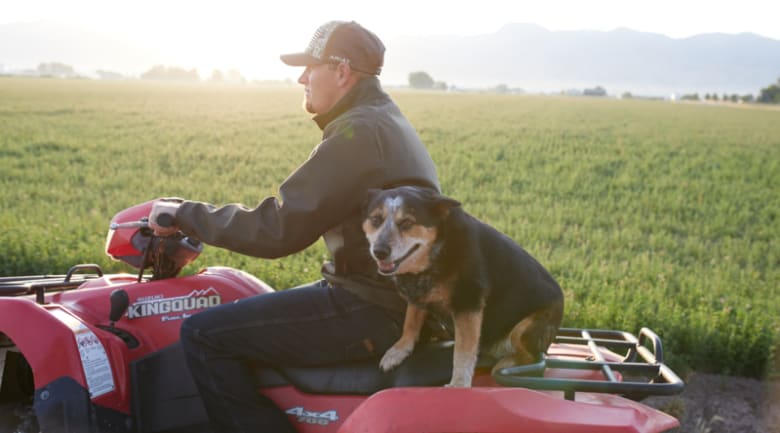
(321, 90)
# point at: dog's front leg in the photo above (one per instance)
(413, 323)
(468, 326)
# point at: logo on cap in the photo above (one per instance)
(318, 42)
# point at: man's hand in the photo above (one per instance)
(162, 218)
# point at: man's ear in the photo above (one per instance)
(344, 72)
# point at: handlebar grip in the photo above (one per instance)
(165, 220)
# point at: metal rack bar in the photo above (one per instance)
(40, 284)
(664, 381)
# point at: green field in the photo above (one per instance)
(648, 213)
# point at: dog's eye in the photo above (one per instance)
(406, 225)
(376, 220)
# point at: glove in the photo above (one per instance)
(162, 218)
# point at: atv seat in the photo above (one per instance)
(162, 388)
(429, 365)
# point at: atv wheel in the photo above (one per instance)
(18, 418)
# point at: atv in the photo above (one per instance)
(94, 352)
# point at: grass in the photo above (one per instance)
(648, 213)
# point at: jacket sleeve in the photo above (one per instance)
(326, 189)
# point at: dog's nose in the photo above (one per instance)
(381, 252)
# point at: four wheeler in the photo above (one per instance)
(90, 352)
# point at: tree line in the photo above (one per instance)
(768, 95)
(417, 80)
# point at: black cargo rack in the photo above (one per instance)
(40, 284)
(642, 370)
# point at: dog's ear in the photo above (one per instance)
(442, 205)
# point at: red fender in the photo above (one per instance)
(501, 410)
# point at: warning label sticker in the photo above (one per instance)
(94, 361)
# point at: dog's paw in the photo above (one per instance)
(394, 357)
(458, 383)
(460, 379)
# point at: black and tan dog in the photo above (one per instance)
(502, 301)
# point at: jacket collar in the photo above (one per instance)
(364, 91)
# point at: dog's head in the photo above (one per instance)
(402, 225)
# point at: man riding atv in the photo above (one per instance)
(353, 313)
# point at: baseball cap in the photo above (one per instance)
(342, 41)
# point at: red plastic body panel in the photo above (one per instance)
(314, 413)
(56, 330)
(501, 410)
(118, 242)
(42, 338)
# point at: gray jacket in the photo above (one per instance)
(366, 143)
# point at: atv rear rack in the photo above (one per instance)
(636, 379)
(40, 284)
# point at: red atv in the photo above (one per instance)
(88, 352)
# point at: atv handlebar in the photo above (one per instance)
(164, 220)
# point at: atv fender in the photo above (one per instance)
(71, 365)
(499, 410)
(48, 344)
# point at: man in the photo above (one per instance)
(353, 313)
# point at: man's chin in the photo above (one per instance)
(308, 107)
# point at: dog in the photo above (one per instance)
(502, 301)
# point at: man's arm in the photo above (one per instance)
(326, 189)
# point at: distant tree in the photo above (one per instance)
(734, 97)
(234, 76)
(596, 91)
(707, 96)
(173, 73)
(109, 75)
(771, 94)
(440, 85)
(626, 95)
(715, 97)
(746, 98)
(501, 88)
(690, 97)
(216, 76)
(420, 80)
(56, 69)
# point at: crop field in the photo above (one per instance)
(648, 213)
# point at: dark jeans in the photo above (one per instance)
(310, 325)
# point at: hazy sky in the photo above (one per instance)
(230, 33)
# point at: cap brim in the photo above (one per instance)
(299, 59)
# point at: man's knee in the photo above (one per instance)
(188, 333)
(192, 332)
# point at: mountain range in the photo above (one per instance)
(622, 60)
(518, 55)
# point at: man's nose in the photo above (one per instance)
(304, 78)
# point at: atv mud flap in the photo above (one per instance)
(64, 406)
(165, 398)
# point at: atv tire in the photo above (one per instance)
(18, 418)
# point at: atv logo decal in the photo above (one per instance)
(173, 308)
(307, 417)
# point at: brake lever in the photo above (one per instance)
(129, 225)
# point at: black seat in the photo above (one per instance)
(429, 365)
(165, 397)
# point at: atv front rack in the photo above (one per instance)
(629, 376)
(40, 284)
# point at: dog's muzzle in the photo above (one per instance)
(389, 267)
